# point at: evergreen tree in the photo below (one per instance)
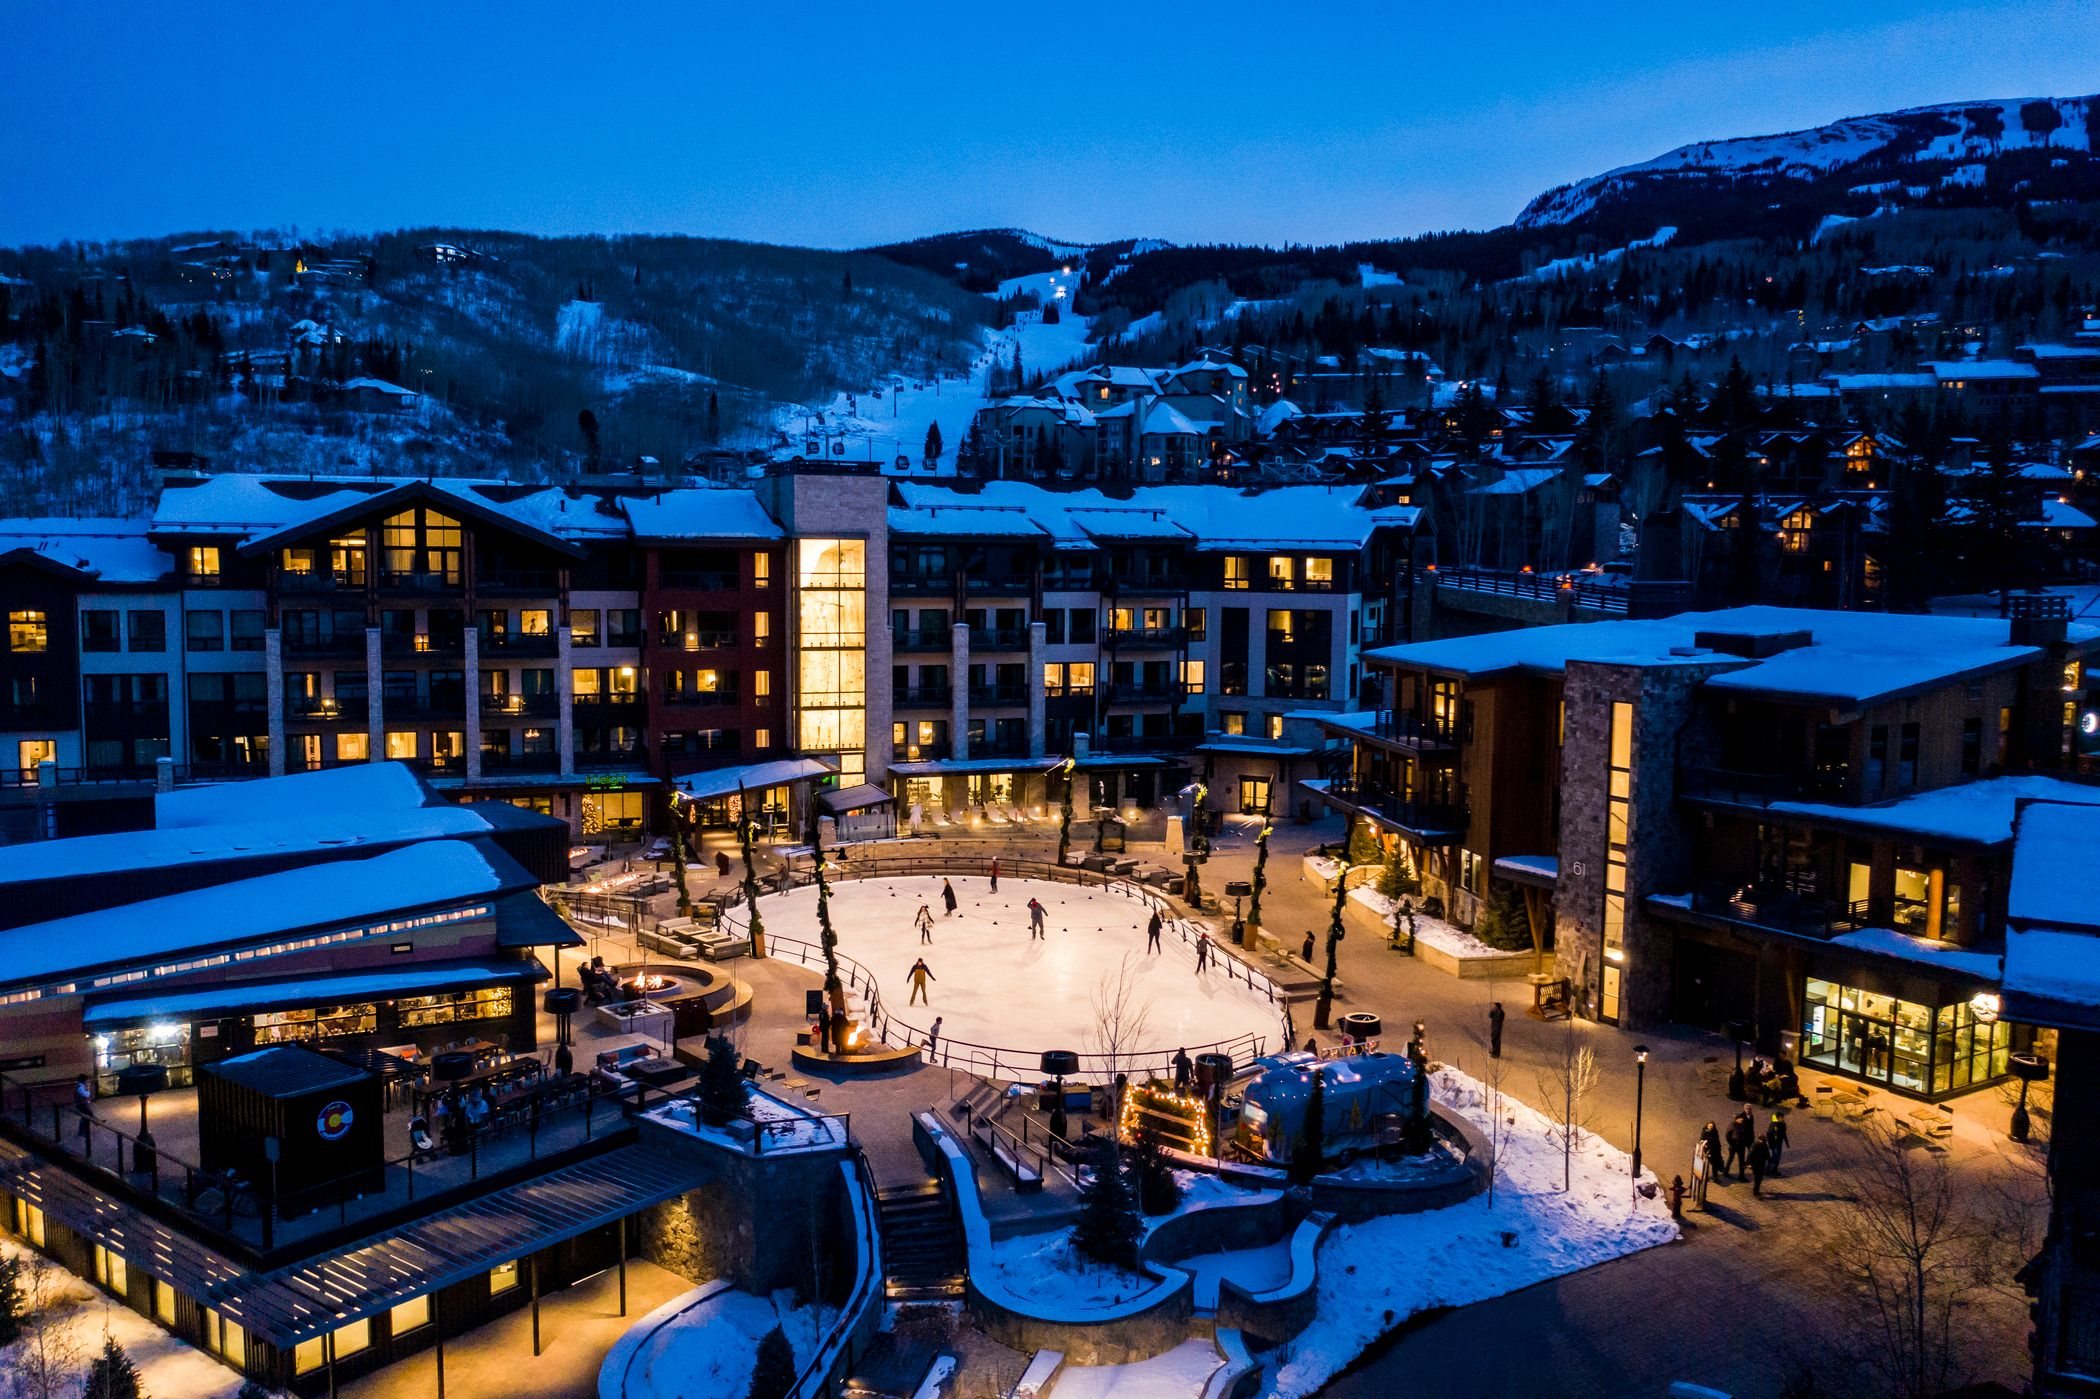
(1109, 1227)
(714, 417)
(723, 1093)
(11, 1299)
(846, 286)
(933, 445)
(1158, 1189)
(112, 1375)
(1309, 1152)
(773, 1373)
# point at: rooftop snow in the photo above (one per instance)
(112, 549)
(339, 894)
(2052, 976)
(1283, 517)
(699, 512)
(1979, 813)
(1940, 956)
(1853, 658)
(1944, 369)
(365, 787)
(2055, 877)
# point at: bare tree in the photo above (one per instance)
(1566, 1086)
(49, 1360)
(1494, 1102)
(1121, 1018)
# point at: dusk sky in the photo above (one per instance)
(847, 124)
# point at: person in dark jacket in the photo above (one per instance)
(1495, 1019)
(1740, 1135)
(947, 897)
(995, 874)
(1305, 952)
(1152, 927)
(1775, 1140)
(1710, 1143)
(1184, 1069)
(1759, 1156)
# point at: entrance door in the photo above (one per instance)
(1608, 1012)
(1254, 795)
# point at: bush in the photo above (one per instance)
(1158, 1189)
(722, 1090)
(1109, 1229)
(11, 1300)
(773, 1374)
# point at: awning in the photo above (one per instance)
(1254, 748)
(525, 920)
(955, 767)
(253, 997)
(723, 782)
(847, 799)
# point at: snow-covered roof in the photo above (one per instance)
(751, 777)
(1924, 952)
(379, 386)
(1851, 658)
(1975, 813)
(1217, 518)
(352, 789)
(1945, 369)
(1520, 482)
(108, 549)
(700, 512)
(1165, 420)
(412, 979)
(247, 912)
(1864, 383)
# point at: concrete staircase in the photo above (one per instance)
(922, 1244)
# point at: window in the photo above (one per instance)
(1192, 677)
(163, 1303)
(1618, 821)
(98, 630)
(205, 631)
(1054, 626)
(1877, 759)
(1971, 746)
(503, 1277)
(204, 561)
(1053, 680)
(1194, 618)
(28, 632)
(1236, 579)
(1907, 757)
(762, 738)
(1079, 678)
(407, 1316)
(761, 570)
(583, 626)
(247, 629)
(149, 630)
(762, 684)
(111, 1272)
(31, 751)
(1082, 628)
(1319, 572)
(229, 1341)
(761, 629)
(1275, 726)
(29, 1222)
(623, 626)
(1283, 571)
(535, 621)
(354, 747)
(1232, 721)
(298, 562)
(400, 745)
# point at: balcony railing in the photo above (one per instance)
(911, 581)
(1761, 788)
(697, 641)
(336, 644)
(320, 581)
(697, 580)
(998, 638)
(1174, 581)
(1000, 748)
(515, 582)
(922, 638)
(702, 699)
(423, 644)
(922, 697)
(1438, 815)
(1142, 743)
(999, 694)
(520, 706)
(1770, 905)
(416, 581)
(499, 761)
(341, 710)
(1166, 637)
(999, 584)
(446, 703)
(536, 644)
(1162, 692)
(610, 757)
(1413, 730)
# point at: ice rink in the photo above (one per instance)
(993, 986)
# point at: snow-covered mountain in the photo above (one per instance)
(1892, 157)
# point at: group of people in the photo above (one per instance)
(1742, 1149)
(1206, 950)
(600, 984)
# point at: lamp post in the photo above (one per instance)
(1640, 1088)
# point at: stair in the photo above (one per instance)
(893, 1368)
(922, 1244)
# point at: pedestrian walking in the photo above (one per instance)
(84, 1109)
(933, 1037)
(1305, 951)
(1710, 1143)
(1675, 1195)
(1702, 1172)
(919, 975)
(1740, 1135)
(1184, 1070)
(1760, 1157)
(1775, 1140)
(995, 874)
(1152, 928)
(1312, 1046)
(923, 921)
(947, 897)
(1495, 1019)
(1202, 952)
(1038, 918)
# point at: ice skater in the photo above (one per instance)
(1202, 952)
(1152, 934)
(919, 975)
(1038, 916)
(923, 921)
(933, 1037)
(947, 898)
(995, 874)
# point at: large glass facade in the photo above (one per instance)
(1907, 1045)
(831, 700)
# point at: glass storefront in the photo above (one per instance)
(455, 1007)
(164, 1044)
(1906, 1045)
(318, 1023)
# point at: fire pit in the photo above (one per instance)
(652, 985)
(691, 994)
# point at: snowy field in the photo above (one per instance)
(993, 986)
(708, 1350)
(167, 1367)
(1179, 1374)
(1458, 1255)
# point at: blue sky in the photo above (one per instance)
(845, 124)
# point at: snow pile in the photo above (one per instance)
(167, 1366)
(709, 1350)
(1047, 1272)
(1374, 1276)
(1181, 1373)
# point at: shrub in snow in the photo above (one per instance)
(112, 1375)
(1109, 1228)
(722, 1089)
(773, 1374)
(11, 1301)
(1158, 1188)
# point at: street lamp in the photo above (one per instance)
(1640, 1086)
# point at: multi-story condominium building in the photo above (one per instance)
(574, 650)
(1796, 821)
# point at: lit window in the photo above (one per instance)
(1192, 677)
(1275, 726)
(762, 738)
(503, 1277)
(31, 751)
(298, 562)
(204, 561)
(583, 626)
(409, 1315)
(1283, 571)
(584, 683)
(400, 745)
(1232, 721)
(353, 747)
(111, 1272)
(1319, 572)
(28, 631)
(762, 684)
(1053, 679)
(163, 1303)
(1235, 572)
(761, 629)
(535, 621)
(761, 570)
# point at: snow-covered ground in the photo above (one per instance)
(1179, 1374)
(993, 985)
(167, 1366)
(708, 1350)
(1050, 1273)
(1447, 938)
(889, 420)
(1456, 1256)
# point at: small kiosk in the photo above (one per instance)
(322, 1115)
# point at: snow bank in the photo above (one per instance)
(167, 1366)
(703, 1344)
(1456, 1256)
(1181, 1373)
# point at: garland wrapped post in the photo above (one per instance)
(678, 873)
(1261, 872)
(834, 987)
(1064, 825)
(1325, 1006)
(747, 832)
